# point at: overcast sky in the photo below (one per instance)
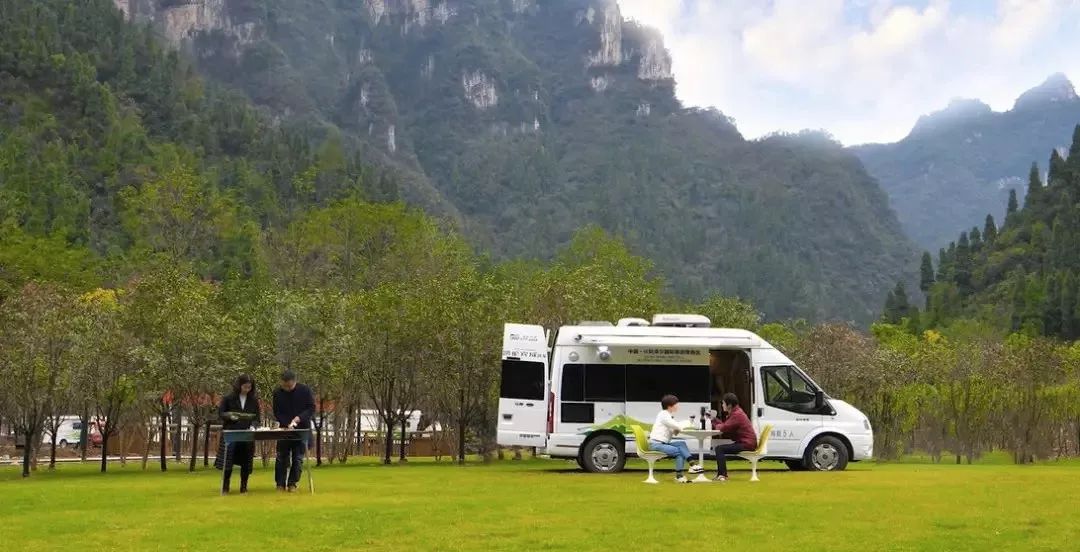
(863, 70)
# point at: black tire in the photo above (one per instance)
(795, 465)
(62, 443)
(604, 454)
(826, 453)
(580, 461)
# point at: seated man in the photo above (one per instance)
(663, 430)
(736, 426)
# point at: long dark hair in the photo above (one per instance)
(240, 381)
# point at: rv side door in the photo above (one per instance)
(523, 387)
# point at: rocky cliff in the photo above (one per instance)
(530, 119)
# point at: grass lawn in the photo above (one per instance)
(548, 505)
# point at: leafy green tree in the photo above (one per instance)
(36, 341)
(108, 370)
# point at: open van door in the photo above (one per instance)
(523, 389)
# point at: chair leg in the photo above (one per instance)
(753, 470)
(651, 479)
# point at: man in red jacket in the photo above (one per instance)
(736, 426)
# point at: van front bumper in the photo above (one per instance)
(862, 446)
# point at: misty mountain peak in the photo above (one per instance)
(958, 110)
(1055, 89)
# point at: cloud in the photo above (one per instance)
(864, 70)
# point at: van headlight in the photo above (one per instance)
(866, 424)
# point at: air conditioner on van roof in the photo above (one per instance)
(681, 320)
(602, 323)
(625, 322)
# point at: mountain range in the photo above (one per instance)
(519, 121)
(957, 165)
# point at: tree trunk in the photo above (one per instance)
(149, 433)
(84, 435)
(206, 446)
(27, 453)
(194, 445)
(105, 447)
(177, 445)
(164, 438)
(389, 449)
(461, 441)
(52, 449)
(401, 456)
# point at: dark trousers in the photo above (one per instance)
(290, 459)
(721, 456)
(238, 454)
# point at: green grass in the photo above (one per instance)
(548, 505)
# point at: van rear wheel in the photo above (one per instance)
(604, 454)
(826, 453)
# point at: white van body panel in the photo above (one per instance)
(666, 348)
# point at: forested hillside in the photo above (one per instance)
(112, 151)
(960, 163)
(531, 119)
(1023, 276)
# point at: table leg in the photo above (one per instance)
(223, 472)
(701, 462)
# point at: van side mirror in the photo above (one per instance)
(819, 399)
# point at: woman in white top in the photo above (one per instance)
(664, 429)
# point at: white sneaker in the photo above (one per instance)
(682, 479)
(696, 469)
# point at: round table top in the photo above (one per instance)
(700, 433)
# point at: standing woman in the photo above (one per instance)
(239, 410)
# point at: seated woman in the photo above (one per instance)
(664, 429)
(736, 426)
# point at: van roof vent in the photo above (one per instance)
(594, 323)
(626, 322)
(681, 321)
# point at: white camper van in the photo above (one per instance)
(578, 397)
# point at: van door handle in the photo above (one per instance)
(760, 412)
(529, 404)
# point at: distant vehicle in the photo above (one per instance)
(68, 434)
(580, 397)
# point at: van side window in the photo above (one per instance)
(573, 382)
(787, 389)
(605, 383)
(650, 382)
(593, 383)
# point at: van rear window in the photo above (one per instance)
(522, 379)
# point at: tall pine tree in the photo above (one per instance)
(989, 230)
(1010, 210)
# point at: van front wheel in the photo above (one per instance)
(795, 465)
(826, 454)
(604, 454)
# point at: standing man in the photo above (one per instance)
(293, 407)
(737, 427)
